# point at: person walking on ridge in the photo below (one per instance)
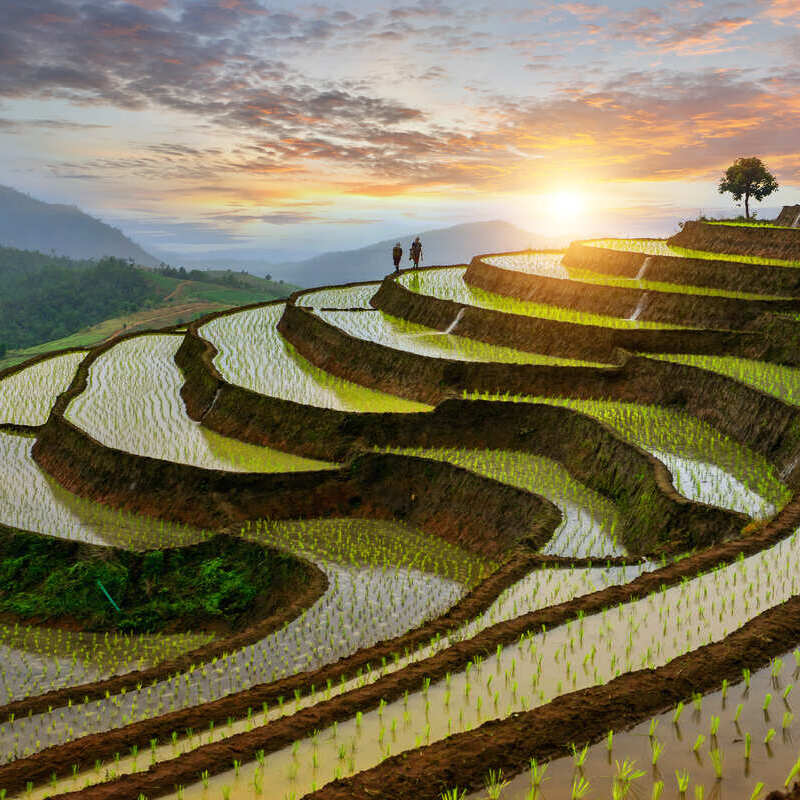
(397, 254)
(415, 252)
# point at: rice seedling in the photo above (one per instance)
(448, 283)
(132, 402)
(27, 396)
(251, 353)
(375, 326)
(339, 297)
(720, 759)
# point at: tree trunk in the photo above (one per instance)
(747, 205)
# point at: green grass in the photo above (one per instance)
(587, 276)
(659, 247)
(753, 223)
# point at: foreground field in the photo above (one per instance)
(539, 539)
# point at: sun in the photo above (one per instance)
(565, 204)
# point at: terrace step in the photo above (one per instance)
(759, 241)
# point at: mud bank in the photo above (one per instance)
(217, 758)
(731, 275)
(756, 240)
(550, 337)
(577, 718)
(752, 418)
(707, 311)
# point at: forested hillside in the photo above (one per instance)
(47, 298)
(49, 302)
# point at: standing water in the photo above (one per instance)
(643, 268)
(796, 221)
(637, 312)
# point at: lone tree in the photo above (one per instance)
(748, 177)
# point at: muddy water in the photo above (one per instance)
(738, 711)
(647, 632)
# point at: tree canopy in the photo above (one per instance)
(746, 178)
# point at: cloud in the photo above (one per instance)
(25, 125)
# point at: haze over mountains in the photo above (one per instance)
(29, 224)
(454, 245)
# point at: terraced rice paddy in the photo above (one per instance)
(26, 397)
(727, 743)
(375, 326)
(419, 647)
(659, 247)
(529, 674)
(550, 265)
(252, 354)
(137, 381)
(339, 297)
(448, 283)
(772, 379)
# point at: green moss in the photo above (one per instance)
(215, 581)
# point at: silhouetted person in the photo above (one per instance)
(397, 254)
(415, 252)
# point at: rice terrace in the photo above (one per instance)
(520, 528)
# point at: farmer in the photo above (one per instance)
(397, 254)
(415, 252)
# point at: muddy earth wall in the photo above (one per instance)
(757, 240)
(550, 337)
(618, 301)
(730, 275)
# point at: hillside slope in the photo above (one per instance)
(30, 224)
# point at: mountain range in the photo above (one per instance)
(30, 224)
(453, 245)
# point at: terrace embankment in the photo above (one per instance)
(716, 274)
(58, 583)
(656, 517)
(756, 644)
(479, 514)
(709, 311)
(571, 720)
(550, 337)
(763, 423)
(747, 240)
(789, 216)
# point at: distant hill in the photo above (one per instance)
(52, 302)
(455, 245)
(30, 224)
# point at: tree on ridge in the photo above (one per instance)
(748, 177)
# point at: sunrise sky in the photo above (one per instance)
(289, 129)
